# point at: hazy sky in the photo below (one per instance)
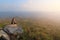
(30, 5)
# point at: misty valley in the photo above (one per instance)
(35, 28)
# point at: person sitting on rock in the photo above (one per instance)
(13, 30)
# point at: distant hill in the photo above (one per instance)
(34, 15)
(13, 14)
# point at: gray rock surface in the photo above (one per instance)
(13, 29)
(5, 35)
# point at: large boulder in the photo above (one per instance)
(4, 35)
(13, 29)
